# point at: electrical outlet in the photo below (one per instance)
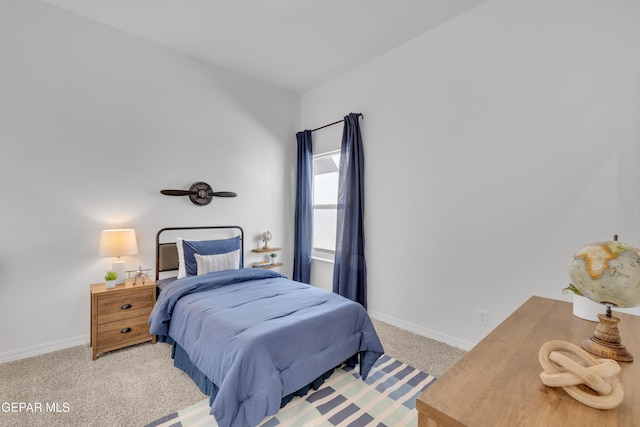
(483, 317)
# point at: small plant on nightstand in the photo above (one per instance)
(274, 257)
(110, 278)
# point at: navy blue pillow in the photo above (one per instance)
(206, 247)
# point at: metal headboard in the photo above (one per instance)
(167, 253)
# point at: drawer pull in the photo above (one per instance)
(125, 330)
(126, 307)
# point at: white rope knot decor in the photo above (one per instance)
(600, 375)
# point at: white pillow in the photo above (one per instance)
(210, 263)
(182, 272)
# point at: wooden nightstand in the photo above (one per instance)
(119, 316)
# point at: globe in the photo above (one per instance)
(608, 273)
(266, 236)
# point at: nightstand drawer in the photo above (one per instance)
(124, 306)
(115, 334)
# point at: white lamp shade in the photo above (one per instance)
(118, 242)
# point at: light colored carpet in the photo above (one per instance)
(431, 356)
(137, 385)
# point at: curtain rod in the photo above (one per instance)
(334, 123)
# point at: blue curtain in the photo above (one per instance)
(303, 228)
(350, 270)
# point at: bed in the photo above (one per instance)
(250, 338)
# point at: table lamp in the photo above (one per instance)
(117, 243)
(607, 273)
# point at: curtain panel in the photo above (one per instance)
(303, 226)
(350, 270)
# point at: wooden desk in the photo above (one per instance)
(498, 382)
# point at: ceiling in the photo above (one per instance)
(295, 45)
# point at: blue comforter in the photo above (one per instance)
(260, 336)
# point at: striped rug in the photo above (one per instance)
(386, 398)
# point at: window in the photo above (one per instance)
(325, 204)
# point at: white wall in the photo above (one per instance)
(93, 124)
(496, 145)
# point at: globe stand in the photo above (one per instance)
(605, 341)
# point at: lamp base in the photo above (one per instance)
(606, 342)
(118, 267)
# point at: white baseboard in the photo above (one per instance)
(84, 339)
(426, 332)
(36, 350)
